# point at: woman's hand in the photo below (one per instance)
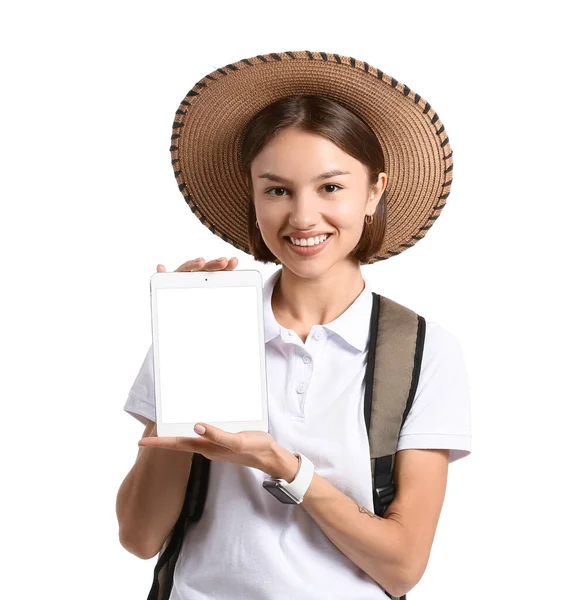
(255, 449)
(218, 264)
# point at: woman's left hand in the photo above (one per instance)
(250, 448)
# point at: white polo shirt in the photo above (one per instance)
(248, 545)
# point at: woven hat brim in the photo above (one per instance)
(208, 126)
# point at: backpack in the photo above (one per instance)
(396, 345)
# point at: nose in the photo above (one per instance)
(304, 211)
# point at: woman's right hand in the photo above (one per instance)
(218, 264)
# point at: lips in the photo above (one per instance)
(309, 250)
(288, 237)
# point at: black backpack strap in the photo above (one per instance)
(197, 487)
(193, 506)
(396, 347)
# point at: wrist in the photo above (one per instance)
(283, 465)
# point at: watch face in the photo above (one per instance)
(279, 492)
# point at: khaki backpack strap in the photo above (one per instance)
(394, 342)
(395, 351)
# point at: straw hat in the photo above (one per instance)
(208, 124)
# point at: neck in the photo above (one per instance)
(298, 303)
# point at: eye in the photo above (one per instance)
(276, 188)
(281, 188)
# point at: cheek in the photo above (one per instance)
(269, 225)
(346, 218)
(273, 218)
(348, 210)
(268, 213)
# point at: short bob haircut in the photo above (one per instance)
(327, 118)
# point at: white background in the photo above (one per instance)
(90, 207)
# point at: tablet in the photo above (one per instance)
(208, 351)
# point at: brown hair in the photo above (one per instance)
(329, 119)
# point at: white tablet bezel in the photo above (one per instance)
(187, 279)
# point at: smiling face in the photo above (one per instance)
(295, 193)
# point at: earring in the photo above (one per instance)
(257, 224)
(369, 222)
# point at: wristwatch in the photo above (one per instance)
(293, 492)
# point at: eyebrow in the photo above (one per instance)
(333, 173)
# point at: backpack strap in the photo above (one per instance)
(395, 351)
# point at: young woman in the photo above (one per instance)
(334, 167)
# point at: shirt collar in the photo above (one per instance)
(352, 326)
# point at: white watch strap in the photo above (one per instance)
(300, 484)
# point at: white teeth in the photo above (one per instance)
(309, 242)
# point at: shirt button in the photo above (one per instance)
(306, 358)
(318, 335)
(301, 388)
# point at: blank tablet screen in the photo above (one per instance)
(209, 354)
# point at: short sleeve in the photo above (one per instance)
(140, 401)
(440, 416)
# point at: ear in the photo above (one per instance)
(376, 192)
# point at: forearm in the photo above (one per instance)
(374, 544)
(150, 499)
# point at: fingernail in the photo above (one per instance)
(200, 429)
(198, 259)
